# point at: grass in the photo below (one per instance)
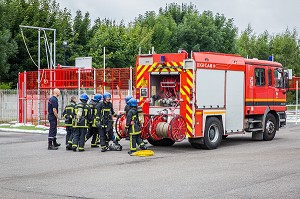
(22, 127)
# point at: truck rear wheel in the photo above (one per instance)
(270, 128)
(213, 133)
(162, 142)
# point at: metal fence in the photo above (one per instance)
(8, 105)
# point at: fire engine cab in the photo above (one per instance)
(208, 97)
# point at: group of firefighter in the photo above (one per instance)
(94, 119)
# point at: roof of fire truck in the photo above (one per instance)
(210, 57)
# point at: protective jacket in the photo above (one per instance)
(93, 108)
(83, 115)
(132, 122)
(105, 112)
(69, 113)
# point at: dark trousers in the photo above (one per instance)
(105, 136)
(53, 127)
(79, 138)
(135, 139)
(69, 136)
(92, 132)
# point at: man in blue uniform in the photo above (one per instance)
(53, 120)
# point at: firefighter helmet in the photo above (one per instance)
(106, 95)
(132, 102)
(97, 97)
(127, 98)
(84, 97)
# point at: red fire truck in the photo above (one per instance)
(209, 96)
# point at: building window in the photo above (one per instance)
(260, 77)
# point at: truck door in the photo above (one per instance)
(271, 88)
(260, 95)
(279, 89)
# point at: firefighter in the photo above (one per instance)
(133, 127)
(93, 130)
(81, 121)
(53, 120)
(105, 112)
(69, 114)
(126, 109)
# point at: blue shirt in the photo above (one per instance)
(52, 103)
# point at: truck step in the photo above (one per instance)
(254, 121)
(254, 130)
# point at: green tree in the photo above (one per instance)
(7, 44)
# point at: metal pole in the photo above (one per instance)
(18, 96)
(95, 90)
(25, 99)
(39, 78)
(104, 68)
(51, 67)
(78, 83)
(54, 49)
(297, 102)
(130, 82)
(35, 27)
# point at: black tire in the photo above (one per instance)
(162, 142)
(270, 127)
(213, 133)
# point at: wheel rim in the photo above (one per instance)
(270, 127)
(213, 133)
(120, 126)
(177, 129)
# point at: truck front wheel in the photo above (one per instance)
(270, 128)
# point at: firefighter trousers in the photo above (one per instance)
(92, 132)
(79, 138)
(105, 136)
(135, 139)
(70, 135)
(53, 127)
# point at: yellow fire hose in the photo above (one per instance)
(143, 153)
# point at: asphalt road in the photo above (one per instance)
(239, 168)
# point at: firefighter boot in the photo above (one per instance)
(104, 148)
(143, 147)
(69, 147)
(131, 152)
(55, 143)
(50, 145)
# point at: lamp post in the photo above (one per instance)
(65, 44)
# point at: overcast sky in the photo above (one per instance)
(272, 15)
